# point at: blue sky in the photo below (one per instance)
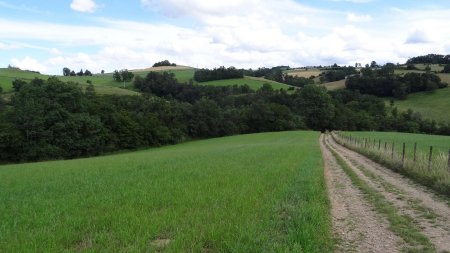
(95, 34)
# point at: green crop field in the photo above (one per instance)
(249, 193)
(441, 144)
(254, 83)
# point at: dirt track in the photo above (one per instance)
(357, 226)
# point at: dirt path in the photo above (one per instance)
(356, 226)
(429, 214)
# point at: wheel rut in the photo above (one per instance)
(356, 226)
(429, 214)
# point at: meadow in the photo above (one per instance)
(379, 146)
(249, 193)
(431, 105)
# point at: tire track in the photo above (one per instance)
(429, 214)
(356, 226)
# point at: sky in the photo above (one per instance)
(49, 35)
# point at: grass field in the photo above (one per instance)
(435, 175)
(431, 105)
(104, 84)
(250, 193)
(424, 141)
(254, 83)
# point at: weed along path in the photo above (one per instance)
(418, 219)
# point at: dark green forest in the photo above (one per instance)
(51, 119)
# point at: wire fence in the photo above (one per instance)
(426, 164)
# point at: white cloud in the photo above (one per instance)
(28, 63)
(352, 17)
(418, 36)
(354, 1)
(84, 5)
(252, 33)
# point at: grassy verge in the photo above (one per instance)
(401, 225)
(250, 193)
(436, 176)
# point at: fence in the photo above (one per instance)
(431, 168)
(406, 155)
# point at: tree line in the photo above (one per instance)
(164, 63)
(51, 119)
(384, 83)
(221, 73)
(69, 72)
(430, 59)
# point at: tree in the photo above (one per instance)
(316, 106)
(103, 72)
(72, 73)
(116, 76)
(127, 76)
(18, 84)
(81, 73)
(446, 69)
(373, 64)
(87, 73)
(66, 72)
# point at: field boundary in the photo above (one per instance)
(427, 169)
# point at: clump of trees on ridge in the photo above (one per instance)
(164, 63)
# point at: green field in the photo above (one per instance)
(431, 105)
(254, 83)
(441, 144)
(250, 193)
(104, 84)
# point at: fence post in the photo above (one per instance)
(448, 160)
(429, 158)
(392, 152)
(385, 146)
(415, 150)
(365, 143)
(403, 154)
(379, 144)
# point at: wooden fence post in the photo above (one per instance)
(403, 154)
(379, 144)
(365, 143)
(385, 146)
(448, 164)
(392, 152)
(415, 150)
(448, 160)
(429, 158)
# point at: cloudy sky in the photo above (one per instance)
(98, 34)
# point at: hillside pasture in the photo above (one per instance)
(334, 85)
(253, 82)
(250, 193)
(306, 73)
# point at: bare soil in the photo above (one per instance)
(356, 226)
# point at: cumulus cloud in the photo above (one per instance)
(352, 17)
(418, 36)
(28, 63)
(252, 33)
(84, 5)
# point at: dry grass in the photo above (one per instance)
(334, 85)
(305, 73)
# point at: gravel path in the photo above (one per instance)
(429, 213)
(356, 226)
